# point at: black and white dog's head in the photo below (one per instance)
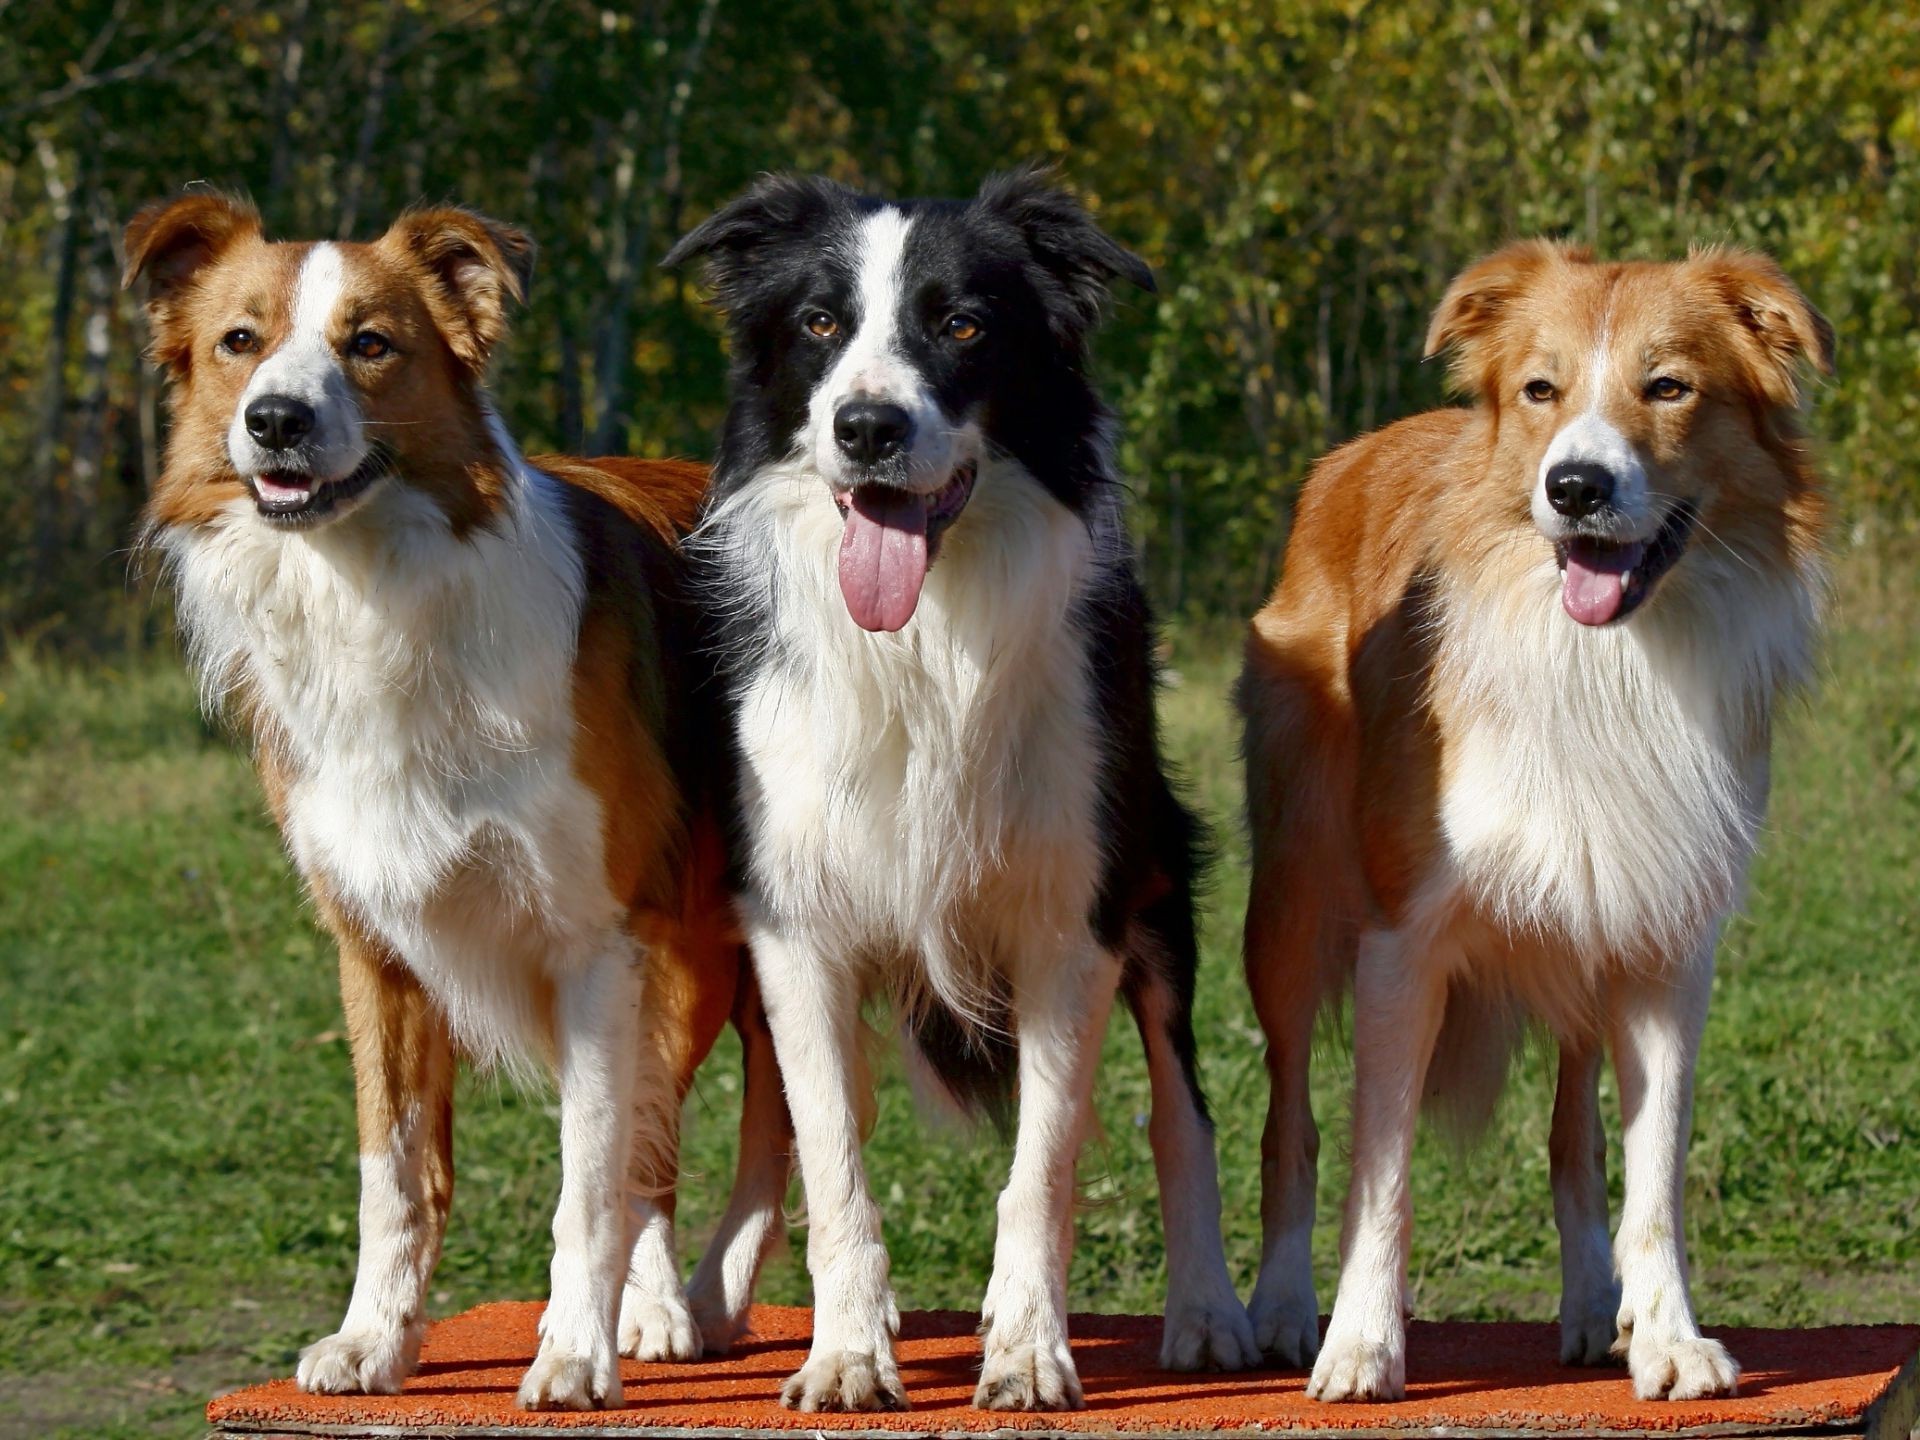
(893, 348)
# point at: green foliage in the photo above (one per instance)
(1304, 177)
(177, 1166)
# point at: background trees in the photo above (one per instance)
(1303, 176)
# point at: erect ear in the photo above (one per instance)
(773, 208)
(478, 266)
(1082, 258)
(1483, 292)
(1781, 323)
(168, 244)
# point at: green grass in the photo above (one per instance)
(177, 1181)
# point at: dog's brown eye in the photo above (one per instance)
(1540, 391)
(239, 342)
(962, 328)
(371, 345)
(823, 325)
(1668, 388)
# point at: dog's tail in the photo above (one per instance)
(1483, 1030)
(971, 1067)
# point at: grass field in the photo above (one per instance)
(177, 1164)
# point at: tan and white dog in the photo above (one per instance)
(1507, 726)
(462, 677)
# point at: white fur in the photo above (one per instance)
(416, 689)
(306, 366)
(1600, 786)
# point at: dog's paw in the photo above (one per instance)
(656, 1327)
(1286, 1329)
(558, 1380)
(1588, 1336)
(1208, 1335)
(845, 1380)
(358, 1362)
(1023, 1376)
(719, 1324)
(1350, 1368)
(1697, 1369)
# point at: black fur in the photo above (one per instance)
(1026, 259)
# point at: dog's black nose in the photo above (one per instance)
(871, 430)
(279, 422)
(1577, 488)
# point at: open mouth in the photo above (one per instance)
(891, 537)
(293, 498)
(1607, 580)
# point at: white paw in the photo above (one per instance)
(1286, 1328)
(359, 1362)
(560, 1381)
(1026, 1376)
(717, 1323)
(845, 1380)
(1698, 1369)
(656, 1327)
(1350, 1368)
(1208, 1335)
(1587, 1335)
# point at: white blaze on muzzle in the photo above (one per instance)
(306, 368)
(1591, 439)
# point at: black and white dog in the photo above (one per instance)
(938, 661)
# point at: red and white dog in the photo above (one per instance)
(460, 674)
(1507, 733)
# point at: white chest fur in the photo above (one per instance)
(418, 692)
(929, 794)
(1604, 787)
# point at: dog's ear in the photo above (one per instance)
(1482, 294)
(1081, 257)
(773, 208)
(478, 268)
(168, 244)
(1783, 331)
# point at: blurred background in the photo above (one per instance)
(177, 1160)
(1303, 176)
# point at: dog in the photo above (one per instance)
(1506, 729)
(462, 676)
(938, 661)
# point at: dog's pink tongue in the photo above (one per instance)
(883, 556)
(1594, 585)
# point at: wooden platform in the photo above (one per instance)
(1463, 1381)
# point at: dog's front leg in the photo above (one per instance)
(1399, 999)
(813, 1009)
(1657, 1020)
(403, 1098)
(1577, 1148)
(596, 1015)
(1060, 1007)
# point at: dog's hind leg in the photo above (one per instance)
(1656, 1023)
(1301, 932)
(691, 984)
(1577, 1147)
(1206, 1327)
(403, 1096)
(722, 1288)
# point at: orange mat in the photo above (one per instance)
(1470, 1380)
